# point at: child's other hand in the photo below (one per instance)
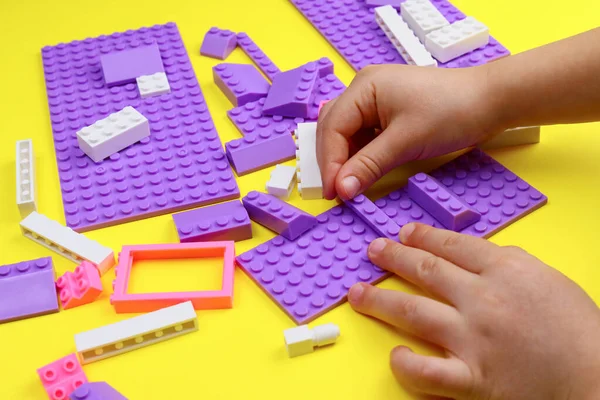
(511, 327)
(421, 113)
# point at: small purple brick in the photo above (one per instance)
(125, 66)
(96, 391)
(377, 220)
(328, 88)
(291, 92)
(224, 221)
(218, 43)
(241, 83)
(277, 215)
(445, 207)
(257, 55)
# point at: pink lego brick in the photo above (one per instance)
(257, 55)
(224, 221)
(291, 92)
(241, 83)
(62, 377)
(80, 287)
(125, 66)
(321, 104)
(277, 215)
(373, 216)
(218, 43)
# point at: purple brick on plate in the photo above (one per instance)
(377, 220)
(241, 83)
(124, 66)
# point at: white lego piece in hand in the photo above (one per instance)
(310, 185)
(303, 340)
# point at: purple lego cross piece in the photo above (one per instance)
(180, 166)
(263, 62)
(124, 66)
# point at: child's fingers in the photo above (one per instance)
(447, 377)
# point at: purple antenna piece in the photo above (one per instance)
(241, 83)
(375, 218)
(124, 66)
(261, 60)
(218, 43)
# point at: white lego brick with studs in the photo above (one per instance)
(153, 85)
(422, 17)
(26, 191)
(457, 39)
(303, 340)
(282, 181)
(310, 185)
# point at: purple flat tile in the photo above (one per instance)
(291, 92)
(277, 215)
(27, 290)
(241, 83)
(180, 166)
(124, 66)
(257, 55)
(374, 217)
(218, 43)
(96, 391)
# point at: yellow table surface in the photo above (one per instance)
(239, 353)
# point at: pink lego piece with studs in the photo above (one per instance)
(80, 287)
(62, 377)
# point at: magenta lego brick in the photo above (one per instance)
(241, 83)
(27, 290)
(380, 3)
(350, 27)
(440, 202)
(218, 43)
(291, 92)
(96, 391)
(277, 215)
(254, 151)
(224, 221)
(125, 62)
(257, 55)
(180, 166)
(374, 217)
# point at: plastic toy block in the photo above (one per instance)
(303, 340)
(241, 83)
(27, 290)
(310, 185)
(290, 93)
(403, 38)
(144, 302)
(277, 215)
(257, 55)
(257, 151)
(62, 377)
(218, 43)
(96, 391)
(513, 137)
(126, 65)
(328, 88)
(445, 207)
(113, 133)
(422, 17)
(181, 165)
(80, 287)
(379, 3)
(66, 242)
(153, 85)
(282, 181)
(351, 29)
(224, 221)
(134, 333)
(26, 192)
(375, 218)
(458, 39)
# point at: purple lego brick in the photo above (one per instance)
(374, 217)
(96, 391)
(128, 61)
(27, 290)
(328, 88)
(350, 27)
(224, 221)
(291, 91)
(380, 3)
(256, 54)
(241, 83)
(250, 121)
(218, 43)
(180, 166)
(442, 204)
(277, 215)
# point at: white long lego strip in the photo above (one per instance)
(137, 332)
(113, 133)
(403, 38)
(281, 182)
(422, 17)
(513, 137)
(25, 178)
(457, 39)
(66, 242)
(310, 185)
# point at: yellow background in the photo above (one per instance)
(239, 353)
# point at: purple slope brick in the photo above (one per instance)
(180, 166)
(374, 217)
(351, 29)
(218, 43)
(241, 83)
(250, 121)
(291, 92)
(257, 55)
(27, 290)
(277, 215)
(123, 65)
(96, 391)
(224, 221)
(328, 88)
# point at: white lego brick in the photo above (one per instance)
(26, 191)
(113, 133)
(513, 137)
(310, 185)
(403, 38)
(422, 17)
(153, 85)
(66, 242)
(137, 332)
(282, 181)
(303, 340)
(457, 39)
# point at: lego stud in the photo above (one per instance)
(303, 340)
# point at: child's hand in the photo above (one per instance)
(421, 112)
(512, 327)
